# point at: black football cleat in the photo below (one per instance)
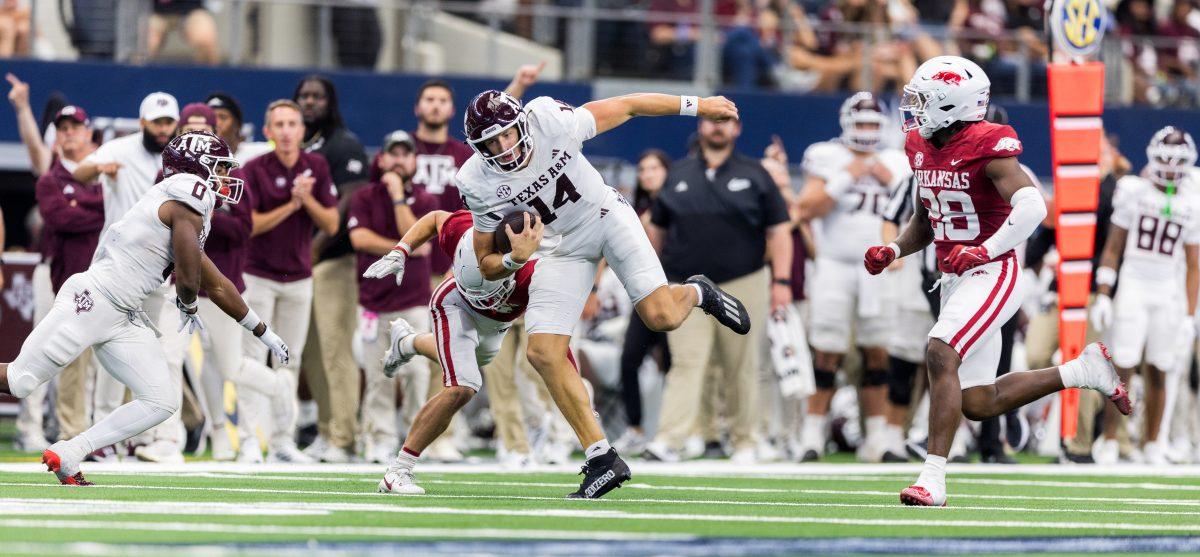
(728, 310)
(602, 474)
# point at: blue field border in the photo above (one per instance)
(745, 546)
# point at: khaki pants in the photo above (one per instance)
(333, 377)
(500, 380)
(379, 399)
(700, 340)
(286, 307)
(71, 397)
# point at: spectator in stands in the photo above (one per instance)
(229, 127)
(14, 29)
(198, 26)
(640, 342)
(73, 214)
(831, 58)
(380, 214)
(720, 213)
(1137, 26)
(751, 49)
(292, 196)
(356, 34)
(673, 42)
(27, 126)
(330, 370)
(1179, 54)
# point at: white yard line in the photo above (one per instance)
(68, 507)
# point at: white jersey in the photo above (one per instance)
(136, 176)
(1153, 247)
(558, 183)
(854, 223)
(136, 255)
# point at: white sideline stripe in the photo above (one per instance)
(67, 507)
(378, 531)
(956, 496)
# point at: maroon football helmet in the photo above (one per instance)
(203, 154)
(490, 113)
(1171, 155)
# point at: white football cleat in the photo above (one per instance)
(287, 452)
(332, 455)
(162, 452)
(250, 451)
(1100, 375)
(399, 481)
(317, 447)
(222, 446)
(1106, 451)
(395, 357)
(1155, 453)
(31, 443)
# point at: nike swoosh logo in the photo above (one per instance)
(954, 162)
(1011, 223)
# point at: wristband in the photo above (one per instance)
(511, 264)
(895, 249)
(403, 247)
(250, 321)
(186, 307)
(1106, 276)
(689, 105)
(783, 281)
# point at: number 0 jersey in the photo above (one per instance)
(136, 255)
(1152, 246)
(558, 183)
(965, 208)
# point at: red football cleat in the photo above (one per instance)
(1121, 399)
(54, 464)
(917, 496)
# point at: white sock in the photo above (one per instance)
(406, 459)
(407, 344)
(934, 472)
(1073, 373)
(699, 293)
(596, 449)
(876, 427)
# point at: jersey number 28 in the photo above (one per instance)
(564, 192)
(949, 209)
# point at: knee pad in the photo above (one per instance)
(874, 377)
(825, 379)
(900, 382)
(21, 384)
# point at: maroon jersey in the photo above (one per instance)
(371, 208)
(228, 237)
(453, 230)
(284, 254)
(964, 206)
(74, 215)
(437, 163)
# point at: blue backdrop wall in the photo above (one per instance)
(374, 104)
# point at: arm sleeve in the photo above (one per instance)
(1028, 210)
(58, 213)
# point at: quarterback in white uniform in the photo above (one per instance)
(529, 159)
(848, 185)
(101, 307)
(1154, 241)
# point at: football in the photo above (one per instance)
(517, 222)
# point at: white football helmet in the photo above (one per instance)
(945, 90)
(856, 116)
(480, 292)
(1170, 155)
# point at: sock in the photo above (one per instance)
(596, 449)
(876, 427)
(699, 293)
(407, 344)
(895, 435)
(407, 458)
(934, 472)
(1072, 373)
(814, 430)
(127, 420)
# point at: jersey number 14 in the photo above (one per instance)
(564, 192)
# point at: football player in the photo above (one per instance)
(976, 205)
(470, 315)
(847, 188)
(101, 307)
(1154, 232)
(529, 158)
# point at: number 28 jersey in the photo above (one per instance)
(965, 208)
(558, 183)
(1153, 246)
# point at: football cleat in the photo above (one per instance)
(399, 481)
(288, 453)
(601, 474)
(54, 463)
(1102, 376)
(728, 310)
(394, 357)
(917, 496)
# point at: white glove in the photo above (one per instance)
(189, 319)
(1101, 312)
(392, 263)
(278, 348)
(1187, 330)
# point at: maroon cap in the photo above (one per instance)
(73, 112)
(198, 109)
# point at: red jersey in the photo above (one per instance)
(965, 208)
(453, 229)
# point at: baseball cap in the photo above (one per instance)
(78, 114)
(398, 137)
(159, 105)
(199, 109)
(227, 102)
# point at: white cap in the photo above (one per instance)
(159, 105)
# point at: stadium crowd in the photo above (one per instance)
(833, 362)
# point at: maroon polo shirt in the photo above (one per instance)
(437, 163)
(285, 253)
(73, 215)
(371, 208)
(228, 237)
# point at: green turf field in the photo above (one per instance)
(676, 506)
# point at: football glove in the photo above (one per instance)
(278, 348)
(189, 319)
(878, 258)
(964, 258)
(1101, 312)
(392, 263)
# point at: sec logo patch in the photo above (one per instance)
(503, 192)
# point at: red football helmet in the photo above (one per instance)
(489, 114)
(203, 154)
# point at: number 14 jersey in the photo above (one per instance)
(964, 206)
(1157, 225)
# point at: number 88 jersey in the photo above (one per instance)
(964, 206)
(1157, 227)
(558, 183)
